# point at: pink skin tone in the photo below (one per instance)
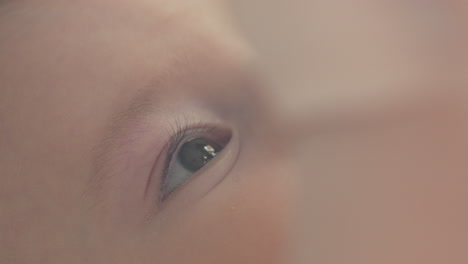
(68, 71)
(90, 89)
(382, 89)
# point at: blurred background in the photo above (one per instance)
(373, 92)
(377, 90)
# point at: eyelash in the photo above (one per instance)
(182, 130)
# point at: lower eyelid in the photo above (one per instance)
(208, 177)
(219, 135)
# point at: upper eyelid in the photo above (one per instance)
(176, 139)
(177, 136)
(184, 125)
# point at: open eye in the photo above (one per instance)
(192, 150)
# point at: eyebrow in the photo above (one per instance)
(124, 120)
(140, 106)
(144, 104)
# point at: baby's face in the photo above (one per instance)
(132, 132)
(138, 132)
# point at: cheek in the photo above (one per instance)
(245, 220)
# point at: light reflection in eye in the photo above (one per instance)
(193, 155)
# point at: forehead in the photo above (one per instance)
(71, 65)
(119, 44)
(86, 19)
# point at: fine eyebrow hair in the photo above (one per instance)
(144, 104)
(124, 119)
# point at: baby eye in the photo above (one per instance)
(195, 153)
(188, 157)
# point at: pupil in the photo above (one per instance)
(194, 154)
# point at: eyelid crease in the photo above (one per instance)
(183, 129)
(178, 137)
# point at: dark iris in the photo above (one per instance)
(194, 154)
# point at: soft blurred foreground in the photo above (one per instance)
(378, 92)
